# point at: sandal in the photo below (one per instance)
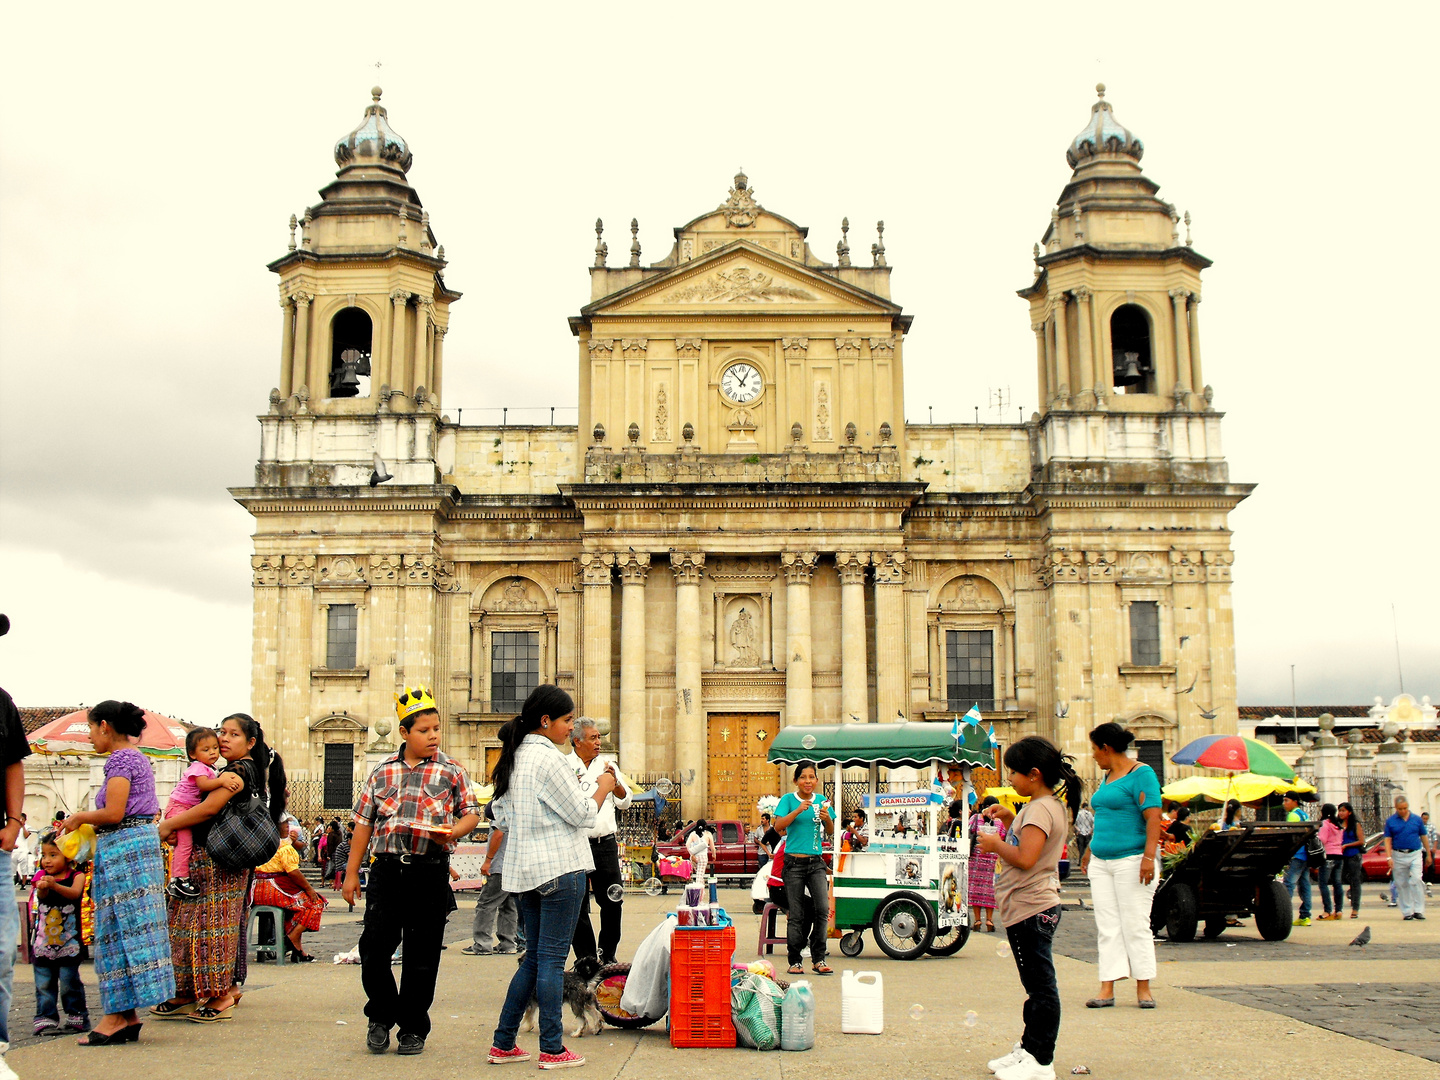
(823, 968)
(796, 969)
(207, 1015)
(173, 1010)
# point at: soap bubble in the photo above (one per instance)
(1002, 949)
(616, 893)
(654, 886)
(972, 1018)
(808, 742)
(917, 1012)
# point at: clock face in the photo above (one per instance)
(741, 383)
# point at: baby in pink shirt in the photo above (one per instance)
(203, 749)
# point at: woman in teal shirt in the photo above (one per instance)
(805, 819)
(1120, 864)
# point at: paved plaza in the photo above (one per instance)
(1236, 1007)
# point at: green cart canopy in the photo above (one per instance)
(853, 746)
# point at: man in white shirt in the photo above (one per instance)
(588, 765)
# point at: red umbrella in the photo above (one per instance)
(70, 734)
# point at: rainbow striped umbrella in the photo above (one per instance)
(1234, 753)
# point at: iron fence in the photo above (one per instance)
(1371, 797)
(306, 800)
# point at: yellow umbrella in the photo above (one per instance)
(1244, 787)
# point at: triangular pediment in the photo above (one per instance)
(741, 276)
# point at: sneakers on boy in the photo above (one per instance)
(410, 1044)
(568, 1059)
(1302, 922)
(377, 1039)
(996, 1064)
(183, 889)
(1026, 1068)
(501, 1057)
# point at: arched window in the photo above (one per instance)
(350, 334)
(1132, 361)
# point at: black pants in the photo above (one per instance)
(406, 903)
(605, 874)
(806, 874)
(1354, 876)
(1030, 942)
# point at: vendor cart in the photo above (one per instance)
(1225, 874)
(908, 889)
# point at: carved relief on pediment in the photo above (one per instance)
(968, 593)
(342, 569)
(740, 285)
(1143, 566)
(514, 594)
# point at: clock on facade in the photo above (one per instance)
(741, 383)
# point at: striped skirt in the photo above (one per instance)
(270, 891)
(982, 879)
(205, 933)
(132, 943)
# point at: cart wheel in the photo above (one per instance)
(949, 941)
(1182, 913)
(1273, 913)
(853, 943)
(904, 926)
(1214, 927)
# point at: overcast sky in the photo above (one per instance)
(152, 156)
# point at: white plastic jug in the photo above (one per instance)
(862, 1003)
(797, 1017)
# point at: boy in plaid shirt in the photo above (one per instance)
(416, 805)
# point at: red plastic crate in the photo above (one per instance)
(700, 987)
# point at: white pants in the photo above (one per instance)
(1409, 880)
(1122, 918)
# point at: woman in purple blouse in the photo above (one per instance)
(132, 939)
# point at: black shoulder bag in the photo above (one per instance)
(243, 836)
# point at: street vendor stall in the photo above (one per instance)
(908, 889)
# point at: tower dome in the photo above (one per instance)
(374, 142)
(1104, 134)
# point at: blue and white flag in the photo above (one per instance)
(993, 741)
(973, 717)
(955, 728)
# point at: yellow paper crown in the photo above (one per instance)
(412, 700)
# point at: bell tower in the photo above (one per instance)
(1115, 301)
(364, 302)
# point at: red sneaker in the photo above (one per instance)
(566, 1059)
(500, 1057)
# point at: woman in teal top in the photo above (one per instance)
(1120, 864)
(805, 818)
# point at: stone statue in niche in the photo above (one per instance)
(744, 641)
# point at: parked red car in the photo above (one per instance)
(1377, 869)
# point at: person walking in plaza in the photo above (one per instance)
(13, 751)
(1297, 872)
(1407, 850)
(700, 845)
(980, 883)
(497, 914)
(415, 804)
(1434, 845)
(1084, 829)
(547, 862)
(1352, 845)
(207, 933)
(585, 760)
(1028, 890)
(805, 818)
(1120, 864)
(1332, 872)
(55, 945)
(132, 948)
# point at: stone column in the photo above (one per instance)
(1197, 377)
(477, 657)
(689, 716)
(1332, 771)
(634, 745)
(889, 635)
(854, 677)
(420, 373)
(1062, 349)
(287, 348)
(300, 362)
(396, 373)
(1089, 376)
(437, 370)
(799, 568)
(1042, 367)
(595, 575)
(1007, 665)
(1182, 348)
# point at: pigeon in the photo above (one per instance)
(379, 475)
(1191, 687)
(1362, 938)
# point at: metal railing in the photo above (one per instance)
(518, 415)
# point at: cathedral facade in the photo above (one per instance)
(742, 532)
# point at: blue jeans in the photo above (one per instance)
(1030, 944)
(1332, 880)
(1298, 872)
(549, 914)
(59, 984)
(9, 938)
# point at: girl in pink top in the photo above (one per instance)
(1332, 836)
(202, 747)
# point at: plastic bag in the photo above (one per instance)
(78, 846)
(760, 887)
(755, 1010)
(647, 988)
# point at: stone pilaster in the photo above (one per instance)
(634, 748)
(397, 373)
(890, 697)
(1062, 350)
(303, 370)
(689, 568)
(596, 571)
(798, 568)
(1092, 391)
(287, 347)
(1182, 349)
(854, 677)
(1197, 375)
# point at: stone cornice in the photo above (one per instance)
(287, 500)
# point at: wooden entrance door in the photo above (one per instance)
(737, 773)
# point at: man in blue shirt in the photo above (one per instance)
(1407, 849)
(1298, 872)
